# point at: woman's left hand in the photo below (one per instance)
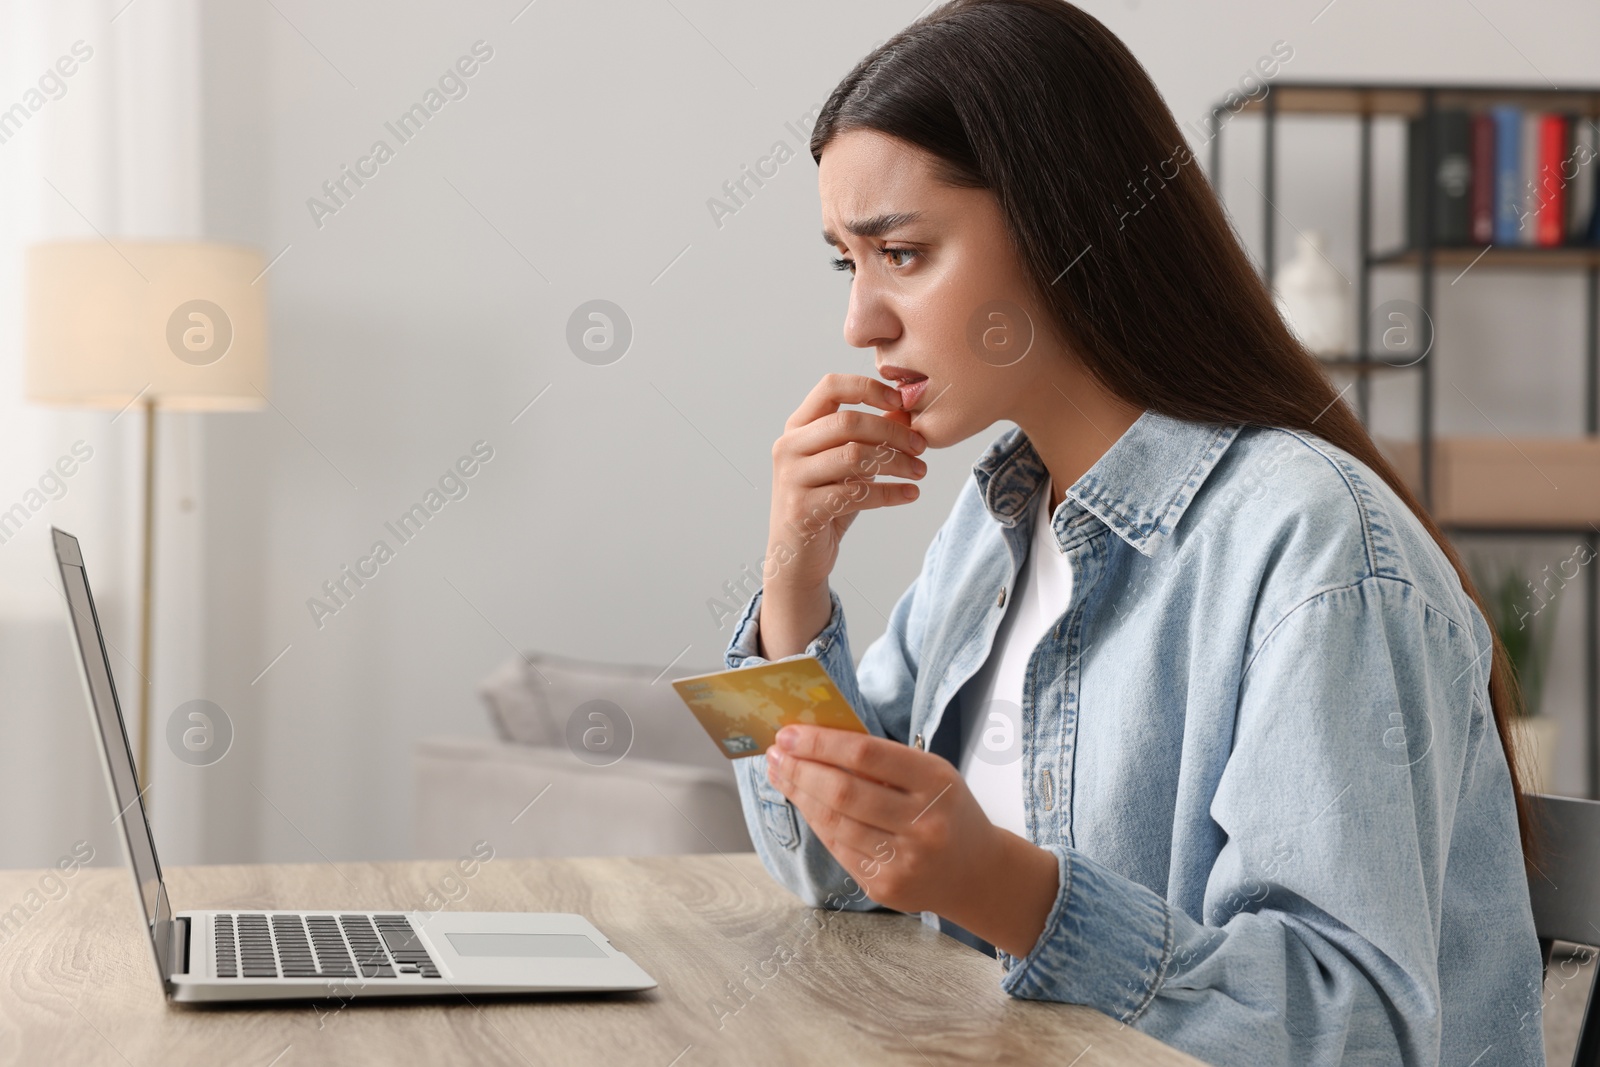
(901, 821)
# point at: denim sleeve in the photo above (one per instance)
(1362, 727)
(881, 695)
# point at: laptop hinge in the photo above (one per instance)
(180, 945)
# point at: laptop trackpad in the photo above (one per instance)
(545, 945)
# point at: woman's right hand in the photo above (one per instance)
(824, 471)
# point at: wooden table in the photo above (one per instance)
(79, 986)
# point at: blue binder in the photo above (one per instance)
(1508, 198)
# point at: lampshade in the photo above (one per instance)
(181, 324)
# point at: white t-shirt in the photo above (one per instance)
(991, 702)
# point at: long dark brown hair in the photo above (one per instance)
(1039, 103)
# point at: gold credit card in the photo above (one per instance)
(742, 709)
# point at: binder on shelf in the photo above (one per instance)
(1483, 175)
(1551, 194)
(1508, 173)
(1528, 160)
(1576, 178)
(1586, 208)
(1451, 178)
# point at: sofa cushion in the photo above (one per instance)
(528, 800)
(533, 699)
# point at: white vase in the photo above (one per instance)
(1314, 298)
(1537, 739)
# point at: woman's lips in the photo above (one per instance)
(910, 392)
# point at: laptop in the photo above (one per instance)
(246, 955)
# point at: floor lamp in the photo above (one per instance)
(179, 326)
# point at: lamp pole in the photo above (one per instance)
(146, 587)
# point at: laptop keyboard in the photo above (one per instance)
(291, 945)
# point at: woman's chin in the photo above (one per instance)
(935, 429)
(948, 427)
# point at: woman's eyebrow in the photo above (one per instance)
(876, 226)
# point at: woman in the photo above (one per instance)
(1258, 803)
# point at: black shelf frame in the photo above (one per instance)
(1367, 98)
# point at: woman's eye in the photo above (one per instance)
(888, 253)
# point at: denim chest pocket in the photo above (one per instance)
(777, 813)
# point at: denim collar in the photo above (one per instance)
(1139, 488)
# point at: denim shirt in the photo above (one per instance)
(1258, 742)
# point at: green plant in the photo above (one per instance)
(1526, 624)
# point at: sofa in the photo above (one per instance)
(588, 759)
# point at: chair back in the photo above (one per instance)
(1565, 892)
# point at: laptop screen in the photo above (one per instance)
(107, 714)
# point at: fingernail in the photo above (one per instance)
(774, 757)
(920, 467)
(786, 739)
(918, 440)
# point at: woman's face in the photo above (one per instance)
(938, 290)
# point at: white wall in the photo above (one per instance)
(414, 323)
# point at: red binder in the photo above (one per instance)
(1551, 196)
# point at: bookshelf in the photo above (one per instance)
(1474, 486)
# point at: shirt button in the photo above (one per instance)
(1000, 601)
(916, 743)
